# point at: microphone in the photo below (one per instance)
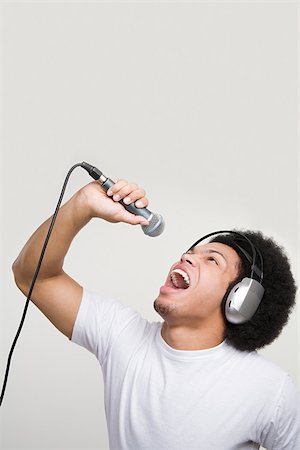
(156, 222)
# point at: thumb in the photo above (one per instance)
(132, 219)
(142, 220)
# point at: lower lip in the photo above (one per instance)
(169, 290)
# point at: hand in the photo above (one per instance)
(107, 206)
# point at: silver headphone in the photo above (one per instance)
(243, 299)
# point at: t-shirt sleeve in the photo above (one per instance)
(283, 432)
(100, 321)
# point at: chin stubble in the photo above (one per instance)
(162, 309)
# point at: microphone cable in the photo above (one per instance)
(35, 277)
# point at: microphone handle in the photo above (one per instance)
(144, 212)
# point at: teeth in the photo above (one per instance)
(184, 276)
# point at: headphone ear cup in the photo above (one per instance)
(243, 300)
(224, 300)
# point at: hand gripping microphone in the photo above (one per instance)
(156, 222)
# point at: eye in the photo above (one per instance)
(210, 258)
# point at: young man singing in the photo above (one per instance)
(195, 380)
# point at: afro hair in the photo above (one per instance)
(278, 299)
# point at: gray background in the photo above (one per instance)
(196, 102)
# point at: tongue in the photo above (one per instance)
(180, 282)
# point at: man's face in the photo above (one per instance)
(196, 285)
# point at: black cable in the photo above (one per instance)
(35, 277)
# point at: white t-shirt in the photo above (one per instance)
(160, 398)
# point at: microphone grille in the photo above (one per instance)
(156, 225)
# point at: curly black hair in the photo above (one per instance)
(279, 296)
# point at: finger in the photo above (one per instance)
(142, 202)
(134, 220)
(124, 191)
(142, 221)
(119, 184)
(135, 196)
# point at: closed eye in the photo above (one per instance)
(210, 258)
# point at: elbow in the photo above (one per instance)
(19, 277)
(15, 270)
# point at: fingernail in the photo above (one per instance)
(116, 197)
(145, 222)
(139, 204)
(109, 192)
(127, 200)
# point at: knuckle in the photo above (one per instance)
(136, 194)
(125, 190)
(119, 184)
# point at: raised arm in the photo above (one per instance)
(56, 294)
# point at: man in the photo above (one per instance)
(194, 381)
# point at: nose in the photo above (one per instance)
(186, 257)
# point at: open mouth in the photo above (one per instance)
(180, 279)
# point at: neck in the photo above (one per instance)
(181, 337)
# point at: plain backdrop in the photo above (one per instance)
(196, 102)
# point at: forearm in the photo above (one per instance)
(71, 218)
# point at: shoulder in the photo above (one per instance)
(106, 311)
(102, 322)
(256, 365)
(273, 393)
(258, 374)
